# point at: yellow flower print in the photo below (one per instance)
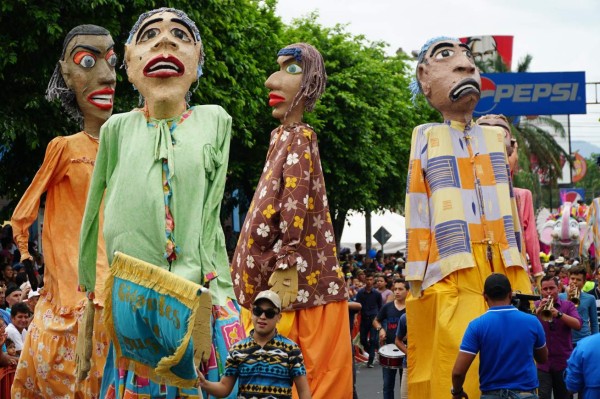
(250, 242)
(269, 211)
(334, 250)
(290, 182)
(311, 241)
(251, 207)
(307, 133)
(298, 222)
(311, 203)
(339, 271)
(328, 217)
(312, 278)
(311, 169)
(306, 155)
(249, 287)
(269, 173)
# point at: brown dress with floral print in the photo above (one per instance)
(289, 225)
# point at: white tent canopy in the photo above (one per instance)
(355, 231)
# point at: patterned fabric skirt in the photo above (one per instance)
(124, 383)
(47, 364)
(437, 321)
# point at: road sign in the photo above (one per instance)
(382, 235)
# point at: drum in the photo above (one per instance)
(390, 356)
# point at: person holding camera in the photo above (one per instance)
(507, 341)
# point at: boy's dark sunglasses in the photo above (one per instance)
(269, 313)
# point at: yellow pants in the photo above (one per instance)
(437, 321)
(323, 334)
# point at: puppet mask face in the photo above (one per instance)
(495, 120)
(162, 58)
(89, 70)
(449, 79)
(284, 85)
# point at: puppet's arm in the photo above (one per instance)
(418, 225)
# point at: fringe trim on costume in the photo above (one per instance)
(165, 283)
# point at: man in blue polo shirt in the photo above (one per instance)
(508, 341)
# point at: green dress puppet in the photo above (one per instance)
(160, 177)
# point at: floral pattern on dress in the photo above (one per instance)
(288, 224)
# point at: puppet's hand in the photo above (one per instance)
(201, 335)
(538, 281)
(285, 284)
(415, 288)
(30, 270)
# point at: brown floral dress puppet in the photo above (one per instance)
(84, 80)
(461, 219)
(287, 239)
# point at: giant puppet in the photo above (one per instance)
(523, 198)
(84, 81)
(287, 241)
(461, 218)
(159, 177)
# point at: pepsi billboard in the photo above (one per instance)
(542, 93)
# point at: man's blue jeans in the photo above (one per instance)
(368, 336)
(389, 381)
(508, 394)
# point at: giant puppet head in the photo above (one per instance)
(298, 83)
(164, 56)
(448, 78)
(84, 78)
(509, 141)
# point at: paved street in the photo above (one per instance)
(369, 382)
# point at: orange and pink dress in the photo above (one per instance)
(47, 365)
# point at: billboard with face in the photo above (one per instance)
(487, 48)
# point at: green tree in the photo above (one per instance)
(364, 120)
(239, 36)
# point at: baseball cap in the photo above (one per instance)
(496, 285)
(12, 289)
(270, 296)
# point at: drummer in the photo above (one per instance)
(386, 324)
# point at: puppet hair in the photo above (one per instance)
(314, 76)
(57, 87)
(415, 85)
(191, 25)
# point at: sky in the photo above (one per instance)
(560, 35)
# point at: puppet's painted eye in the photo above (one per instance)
(149, 34)
(294, 69)
(180, 34)
(111, 58)
(444, 54)
(85, 59)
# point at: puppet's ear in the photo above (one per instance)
(126, 59)
(423, 81)
(64, 71)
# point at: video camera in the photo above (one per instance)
(522, 301)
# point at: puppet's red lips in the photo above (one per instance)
(164, 67)
(102, 99)
(275, 99)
